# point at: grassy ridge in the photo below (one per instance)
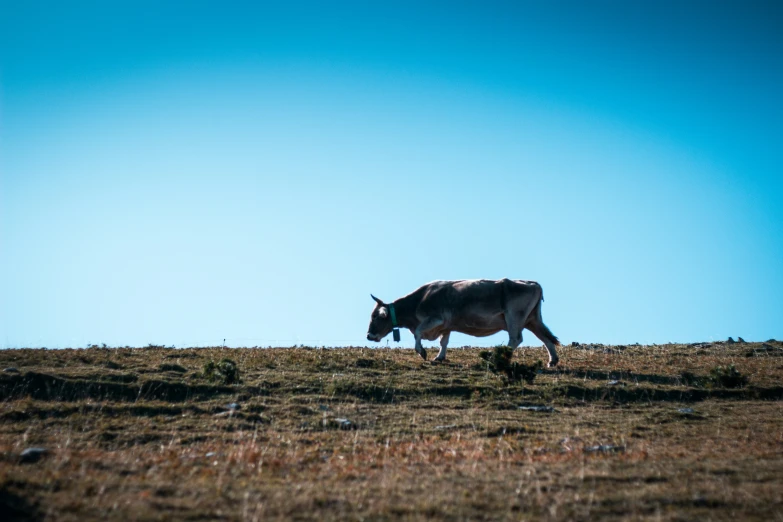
(350, 433)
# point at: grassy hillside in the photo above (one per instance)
(665, 432)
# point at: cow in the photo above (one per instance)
(478, 307)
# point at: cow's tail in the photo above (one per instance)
(546, 332)
(542, 329)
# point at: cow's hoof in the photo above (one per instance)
(423, 354)
(436, 361)
(553, 363)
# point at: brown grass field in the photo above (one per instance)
(637, 432)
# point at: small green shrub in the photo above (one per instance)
(225, 371)
(499, 361)
(727, 377)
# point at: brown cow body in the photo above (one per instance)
(478, 307)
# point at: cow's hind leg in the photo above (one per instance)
(514, 334)
(515, 321)
(536, 325)
(444, 341)
(514, 328)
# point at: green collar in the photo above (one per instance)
(395, 330)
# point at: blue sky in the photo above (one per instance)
(180, 174)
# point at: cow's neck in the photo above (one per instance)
(405, 309)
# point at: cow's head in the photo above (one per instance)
(380, 321)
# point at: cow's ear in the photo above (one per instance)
(383, 313)
(377, 300)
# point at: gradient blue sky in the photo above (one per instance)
(179, 173)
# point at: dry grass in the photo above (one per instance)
(143, 434)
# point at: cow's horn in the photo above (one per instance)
(377, 300)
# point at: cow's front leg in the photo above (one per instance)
(427, 324)
(444, 341)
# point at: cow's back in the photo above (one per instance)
(467, 298)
